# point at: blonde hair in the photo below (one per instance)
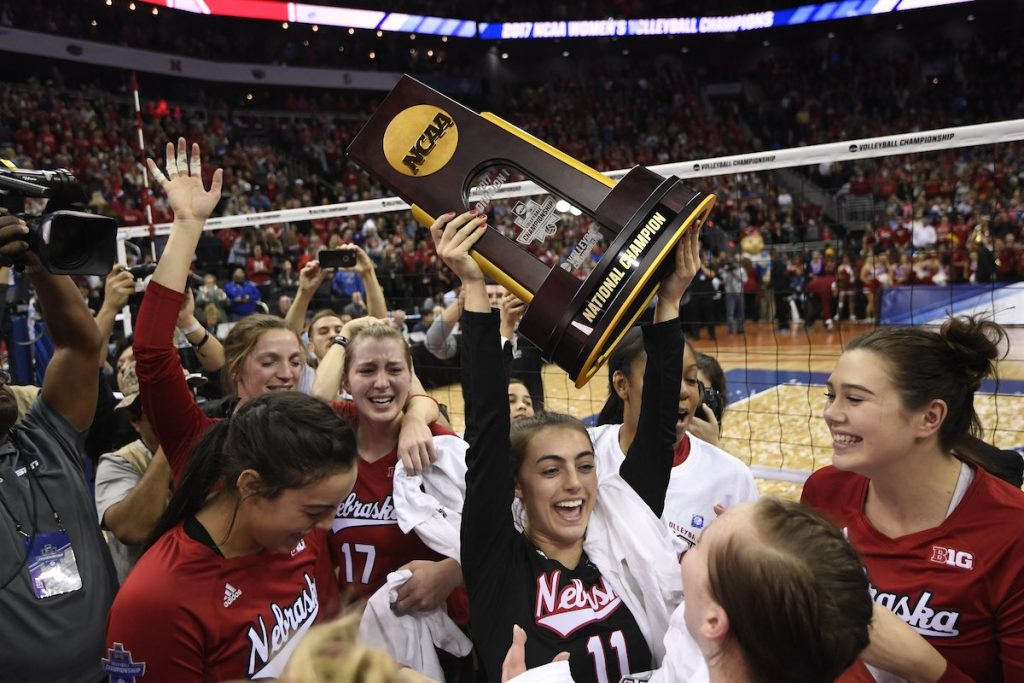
(331, 653)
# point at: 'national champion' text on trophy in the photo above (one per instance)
(440, 156)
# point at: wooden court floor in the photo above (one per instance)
(777, 395)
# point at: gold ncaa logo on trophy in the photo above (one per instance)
(420, 140)
(440, 156)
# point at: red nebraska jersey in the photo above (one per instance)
(187, 614)
(367, 539)
(960, 584)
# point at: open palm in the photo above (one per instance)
(183, 183)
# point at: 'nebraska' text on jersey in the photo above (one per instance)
(288, 623)
(355, 512)
(920, 612)
(572, 607)
(367, 541)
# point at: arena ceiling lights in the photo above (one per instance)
(323, 15)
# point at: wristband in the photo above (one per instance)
(206, 338)
(194, 327)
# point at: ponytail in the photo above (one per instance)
(290, 439)
(198, 482)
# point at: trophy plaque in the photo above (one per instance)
(440, 156)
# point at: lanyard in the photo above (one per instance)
(32, 480)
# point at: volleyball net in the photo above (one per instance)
(831, 239)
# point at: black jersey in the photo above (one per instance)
(574, 611)
(509, 581)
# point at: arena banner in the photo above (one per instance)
(432, 151)
(676, 26)
(115, 56)
(326, 15)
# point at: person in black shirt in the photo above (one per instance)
(543, 578)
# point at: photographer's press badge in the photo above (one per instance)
(587, 253)
(51, 564)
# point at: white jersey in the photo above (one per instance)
(708, 477)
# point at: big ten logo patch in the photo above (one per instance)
(952, 557)
(420, 140)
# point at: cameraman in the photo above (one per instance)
(54, 620)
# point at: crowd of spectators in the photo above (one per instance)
(953, 217)
(604, 114)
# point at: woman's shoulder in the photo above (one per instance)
(996, 499)
(175, 567)
(830, 488)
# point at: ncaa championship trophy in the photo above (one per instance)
(440, 156)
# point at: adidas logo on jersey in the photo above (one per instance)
(354, 512)
(231, 594)
(567, 610)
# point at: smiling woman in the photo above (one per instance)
(261, 354)
(590, 571)
(940, 535)
(247, 529)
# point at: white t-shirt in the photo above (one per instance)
(708, 477)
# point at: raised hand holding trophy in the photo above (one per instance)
(428, 149)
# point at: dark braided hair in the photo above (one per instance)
(291, 439)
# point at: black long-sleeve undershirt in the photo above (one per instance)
(500, 566)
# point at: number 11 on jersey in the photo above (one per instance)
(597, 650)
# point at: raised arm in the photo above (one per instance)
(648, 464)
(192, 205)
(208, 348)
(70, 384)
(310, 278)
(487, 527)
(166, 398)
(376, 306)
(439, 339)
(118, 287)
(329, 369)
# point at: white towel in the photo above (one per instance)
(410, 638)
(633, 549)
(431, 503)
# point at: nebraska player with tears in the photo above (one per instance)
(372, 362)
(592, 572)
(940, 536)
